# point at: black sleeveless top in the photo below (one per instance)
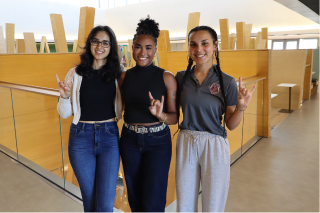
(96, 98)
(135, 93)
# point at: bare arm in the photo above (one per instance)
(233, 115)
(156, 106)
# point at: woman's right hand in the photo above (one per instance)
(64, 86)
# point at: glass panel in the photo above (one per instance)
(7, 131)
(253, 117)
(133, 1)
(278, 45)
(104, 4)
(308, 43)
(291, 45)
(111, 4)
(72, 184)
(119, 3)
(269, 44)
(38, 134)
(91, 3)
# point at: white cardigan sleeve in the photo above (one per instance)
(64, 106)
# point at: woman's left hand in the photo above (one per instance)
(156, 106)
(244, 96)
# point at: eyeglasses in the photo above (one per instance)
(95, 42)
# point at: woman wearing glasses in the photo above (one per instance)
(91, 94)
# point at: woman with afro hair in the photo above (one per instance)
(149, 95)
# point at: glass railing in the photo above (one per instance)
(33, 133)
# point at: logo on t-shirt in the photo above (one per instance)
(214, 88)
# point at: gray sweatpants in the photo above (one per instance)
(205, 157)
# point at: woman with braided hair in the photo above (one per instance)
(149, 95)
(203, 155)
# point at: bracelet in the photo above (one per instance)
(240, 109)
(165, 118)
(64, 98)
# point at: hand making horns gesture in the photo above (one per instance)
(156, 106)
(244, 95)
(64, 86)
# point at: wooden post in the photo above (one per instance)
(224, 34)
(75, 45)
(252, 45)
(86, 23)
(10, 37)
(193, 21)
(20, 46)
(241, 35)
(163, 47)
(58, 33)
(2, 41)
(264, 35)
(233, 39)
(44, 45)
(262, 44)
(258, 40)
(30, 43)
(248, 35)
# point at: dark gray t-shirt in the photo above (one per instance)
(202, 105)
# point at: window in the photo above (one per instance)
(269, 44)
(291, 45)
(308, 43)
(277, 45)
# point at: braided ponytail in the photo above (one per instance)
(222, 91)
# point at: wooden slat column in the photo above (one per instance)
(10, 37)
(58, 33)
(86, 23)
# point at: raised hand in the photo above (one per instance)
(244, 95)
(64, 86)
(156, 106)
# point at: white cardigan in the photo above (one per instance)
(67, 107)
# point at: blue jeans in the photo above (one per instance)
(146, 162)
(94, 156)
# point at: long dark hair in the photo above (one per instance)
(217, 69)
(149, 27)
(111, 70)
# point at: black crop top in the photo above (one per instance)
(96, 98)
(135, 93)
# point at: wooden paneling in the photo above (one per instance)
(2, 41)
(10, 37)
(20, 46)
(36, 69)
(308, 75)
(241, 35)
(248, 35)
(287, 66)
(30, 43)
(58, 33)
(44, 45)
(193, 21)
(224, 34)
(86, 23)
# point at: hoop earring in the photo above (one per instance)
(214, 55)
